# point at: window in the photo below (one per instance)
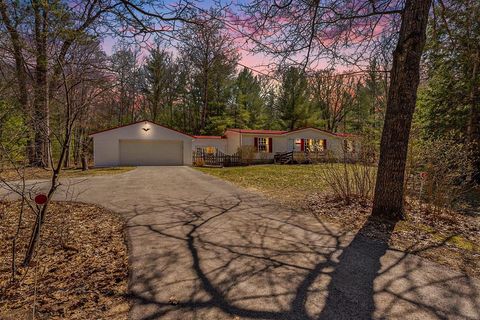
(209, 150)
(205, 150)
(321, 145)
(348, 146)
(308, 145)
(315, 145)
(262, 144)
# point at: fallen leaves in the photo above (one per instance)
(80, 268)
(446, 237)
(173, 300)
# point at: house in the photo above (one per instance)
(267, 143)
(147, 143)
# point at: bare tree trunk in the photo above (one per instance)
(76, 147)
(402, 96)
(20, 75)
(34, 238)
(41, 114)
(473, 130)
(66, 162)
(84, 161)
(203, 118)
(84, 151)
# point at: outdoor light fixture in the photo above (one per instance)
(146, 128)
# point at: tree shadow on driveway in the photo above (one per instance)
(241, 257)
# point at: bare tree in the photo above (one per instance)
(53, 29)
(125, 72)
(322, 33)
(210, 50)
(86, 66)
(332, 96)
(74, 77)
(341, 31)
(160, 85)
(402, 97)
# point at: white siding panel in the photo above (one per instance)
(233, 141)
(220, 144)
(334, 143)
(248, 139)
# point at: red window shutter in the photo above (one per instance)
(255, 142)
(302, 145)
(324, 144)
(270, 145)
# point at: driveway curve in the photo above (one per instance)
(201, 248)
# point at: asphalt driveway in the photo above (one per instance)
(201, 248)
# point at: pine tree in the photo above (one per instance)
(293, 102)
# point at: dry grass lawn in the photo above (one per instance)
(287, 183)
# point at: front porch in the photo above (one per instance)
(305, 157)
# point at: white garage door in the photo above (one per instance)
(151, 153)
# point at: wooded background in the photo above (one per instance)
(330, 65)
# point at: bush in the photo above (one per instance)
(440, 172)
(349, 181)
(198, 162)
(299, 157)
(246, 153)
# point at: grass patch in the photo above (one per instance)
(462, 243)
(40, 173)
(283, 181)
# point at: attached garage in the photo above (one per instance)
(142, 143)
(151, 153)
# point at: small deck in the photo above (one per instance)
(303, 157)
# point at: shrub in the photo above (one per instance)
(299, 157)
(349, 181)
(440, 172)
(199, 162)
(246, 153)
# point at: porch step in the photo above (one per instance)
(283, 158)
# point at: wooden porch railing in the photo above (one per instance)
(217, 159)
(310, 157)
(283, 158)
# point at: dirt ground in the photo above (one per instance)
(79, 272)
(447, 237)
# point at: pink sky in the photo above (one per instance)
(238, 25)
(255, 61)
